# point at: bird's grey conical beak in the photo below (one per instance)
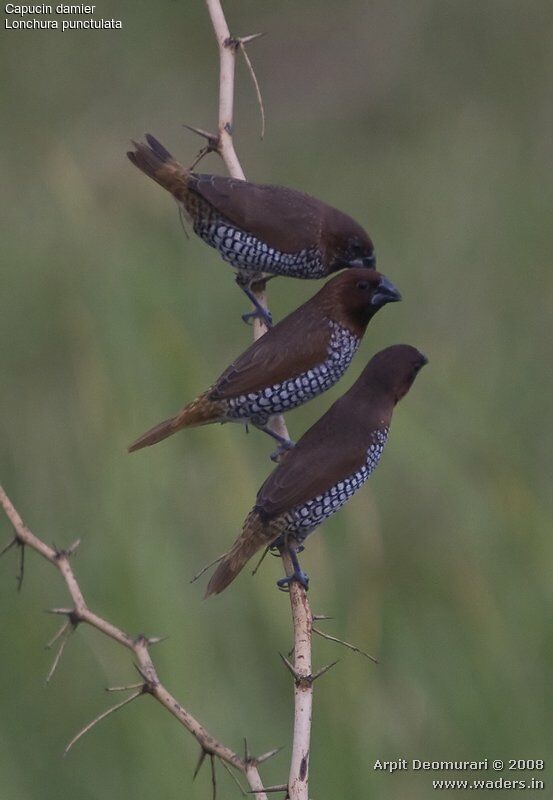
(386, 293)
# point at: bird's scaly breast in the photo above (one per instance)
(281, 397)
(245, 252)
(303, 519)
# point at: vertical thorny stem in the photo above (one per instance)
(301, 613)
(303, 691)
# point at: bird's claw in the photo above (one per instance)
(262, 314)
(288, 444)
(299, 575)
(259, 312)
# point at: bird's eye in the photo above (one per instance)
(363, 285)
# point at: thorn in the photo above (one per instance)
(55, 638)
(199, 765)
(321, 617)
(260, 562)
(72, 548)
(208, 566)
(346, 644)
(213, 776)
(267, 756)
(66, 552)
(233, 776)
(99, 718)
(21, 573)
(201, 155)
(251, 37)
(211, 138)
(66, 611)
(9, 546)
(247, 754)
(249, 65)
(124, 688)
(323, 670)
(290, 667)
(65, 631)
(155, 640)
(282, 787)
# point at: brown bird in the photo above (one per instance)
(326, 467)
(301, 357)
(257, 228)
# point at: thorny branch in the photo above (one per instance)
(140, 647)
(301, 613)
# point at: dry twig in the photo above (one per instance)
(349, 646)
(139, 646)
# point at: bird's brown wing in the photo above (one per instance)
(285, 219)
(329, 452)
(296, 344)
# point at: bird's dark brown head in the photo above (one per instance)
(354, 296)
(391, 372)
(346, 243)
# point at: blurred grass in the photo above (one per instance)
(430, 123)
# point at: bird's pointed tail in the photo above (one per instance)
(201, 411)
(255, 534)
(158, 163)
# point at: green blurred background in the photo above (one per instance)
(430, 122)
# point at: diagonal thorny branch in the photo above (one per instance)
(138, 645)
(301, 613)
